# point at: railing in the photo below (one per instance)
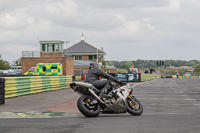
(37, 53)
(67, 54)
(30, 53)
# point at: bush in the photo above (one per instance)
(121, 70)
(4, 65)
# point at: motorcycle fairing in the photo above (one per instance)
(123, 91)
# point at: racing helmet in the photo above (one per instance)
(94, 66)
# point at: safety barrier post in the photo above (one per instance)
(142, 77)
(139, 77)
(73, 78)
(2, 91)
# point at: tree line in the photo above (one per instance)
(142, 65)
(5, 65)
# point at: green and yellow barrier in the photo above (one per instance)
(17, 86)
(147, 77)
(187, 77)
(78, 78)
(173, 77)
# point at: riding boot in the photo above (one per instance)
(103, 93)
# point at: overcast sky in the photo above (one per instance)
(126, 29)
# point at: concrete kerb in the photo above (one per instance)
(35, 114)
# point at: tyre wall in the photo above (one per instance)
(2, 91)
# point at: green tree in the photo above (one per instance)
(104, 64)
(17, 62)
(197, 69)
(121, 70)
(145, 64)
(128, 64)
(4, 65)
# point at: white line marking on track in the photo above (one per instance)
(158, 95)
(170, 114)
(171, 104)
(163, 92)
(188, 99)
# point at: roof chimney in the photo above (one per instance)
(82, 37)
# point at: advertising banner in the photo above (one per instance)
(127, 77)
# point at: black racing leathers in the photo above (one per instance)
(93, 78)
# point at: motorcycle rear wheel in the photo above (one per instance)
(134, 106)
(86, 109)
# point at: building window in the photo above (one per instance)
(95, 57)
(43, 47)
(77, 57)
(50, 47)
(56, 47)
(47, 48)
(92, 57)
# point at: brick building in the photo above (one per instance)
(75, 59)
(85, 52)
(51, 52)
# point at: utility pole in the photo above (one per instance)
(160, 63)
(97, 56)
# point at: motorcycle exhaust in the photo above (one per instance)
(95, 96)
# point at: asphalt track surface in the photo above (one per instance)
(170, 106)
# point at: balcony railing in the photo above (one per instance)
(37, 54)
(30, 53)
(67, 54)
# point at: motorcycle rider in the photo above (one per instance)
(93, 75)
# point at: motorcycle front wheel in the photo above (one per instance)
(86, 108)
(134, 106)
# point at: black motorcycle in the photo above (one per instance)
(120, 100)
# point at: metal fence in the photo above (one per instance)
(30, 53)
(37, 54)
(67, 54)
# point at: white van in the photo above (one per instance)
(16, 70)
